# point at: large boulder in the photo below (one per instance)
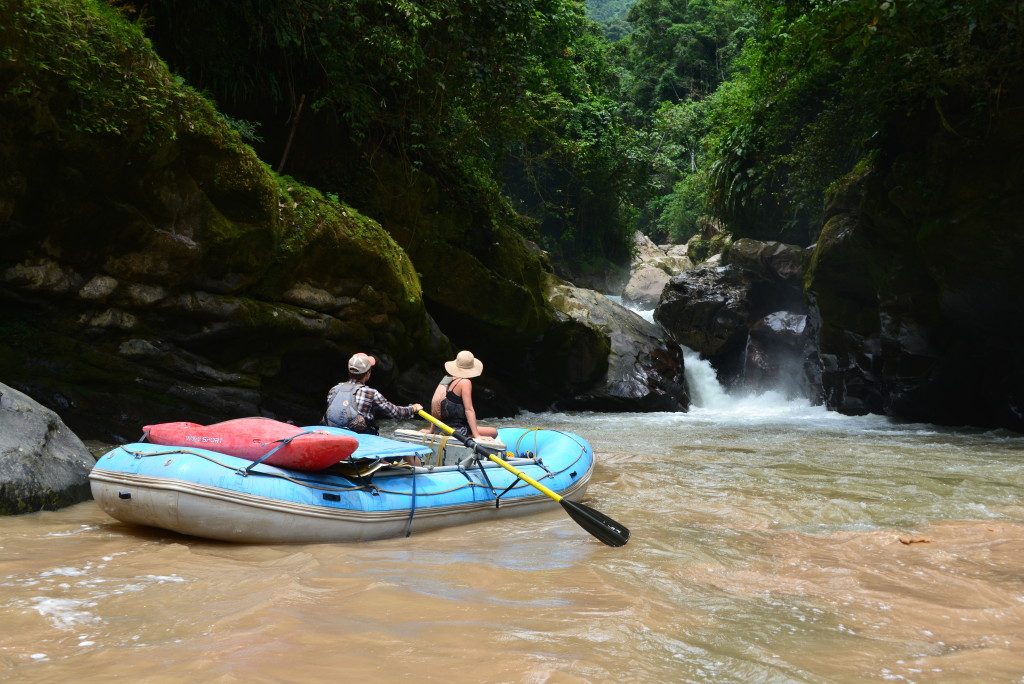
(43, 465)
(782, 355)
(653, 266)
(646, 283)
(712, 309)
(644, 249)
(786, 263)
(618, 360)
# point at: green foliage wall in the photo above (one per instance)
(462, 91)
(603, 10)
(752, 108)
(826, 81)
(678, 54)
(611, 16)
(681, 50)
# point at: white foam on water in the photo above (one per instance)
(65, 613)
(711, 403)
(646, 314)
(68, 533)
(71, 613)
(66, 572)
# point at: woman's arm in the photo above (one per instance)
(475, 430)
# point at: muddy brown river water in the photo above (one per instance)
(771, 542)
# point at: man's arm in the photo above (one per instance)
(391, 410)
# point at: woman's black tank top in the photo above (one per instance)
(453, 411)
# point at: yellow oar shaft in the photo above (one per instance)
(515, 471)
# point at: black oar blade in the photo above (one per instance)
(598, 524)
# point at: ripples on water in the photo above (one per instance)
(772, 542)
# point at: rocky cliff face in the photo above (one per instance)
(918, 282)
(652, 268)
(748, 318)
(154, 269)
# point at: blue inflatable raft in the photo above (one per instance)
(373, 495)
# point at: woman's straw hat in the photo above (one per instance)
(464, 365)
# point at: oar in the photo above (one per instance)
(597, 524)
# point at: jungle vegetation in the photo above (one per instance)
(739, 111)
(611, 17)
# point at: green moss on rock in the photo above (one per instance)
(112, 168)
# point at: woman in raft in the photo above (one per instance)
(452, 402)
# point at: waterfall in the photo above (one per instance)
(705, 390)
(702, 381)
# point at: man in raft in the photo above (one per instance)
(353, 405)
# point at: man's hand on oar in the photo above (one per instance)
(601, 526)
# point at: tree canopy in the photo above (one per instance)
(741, 110)
(823, 83)
(476, 89)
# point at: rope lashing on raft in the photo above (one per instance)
(441, 448)
(370, 487)
(240, 471)
(535, 453)
(283, 442)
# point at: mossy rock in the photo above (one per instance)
(845, 275)
(482, 280)
(154, 265)
(917, 275)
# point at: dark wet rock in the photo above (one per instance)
(918, 283)
(43, 465)
(618, 360)
(776, 259)
(711, 310)
(781, 355)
